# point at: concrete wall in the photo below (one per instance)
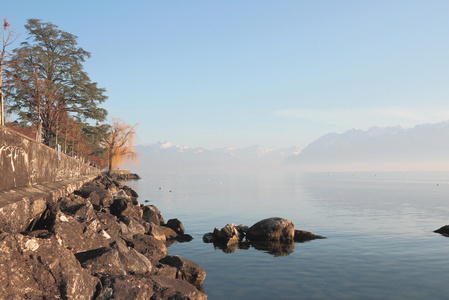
(24, 162)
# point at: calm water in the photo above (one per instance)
(380, 242)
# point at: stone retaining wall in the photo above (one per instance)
(24, 162)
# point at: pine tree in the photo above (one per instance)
(46, 80)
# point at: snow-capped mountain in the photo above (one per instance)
(170, 156)
(422, 147)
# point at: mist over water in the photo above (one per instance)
(379, 226)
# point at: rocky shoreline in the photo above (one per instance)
(98, 243)
(124, 176)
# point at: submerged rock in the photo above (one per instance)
(443, 230)
(304, 236)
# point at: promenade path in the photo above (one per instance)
(21, 205)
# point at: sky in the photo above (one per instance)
(231, 73)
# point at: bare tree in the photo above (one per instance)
(120, 144)
(8, 37)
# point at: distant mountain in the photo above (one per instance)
(171, 157)
(424, 147)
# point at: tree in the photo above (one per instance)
(47, 80)
(119, 144)
(8, 37)
(94, 135)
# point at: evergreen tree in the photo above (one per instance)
(46, 81)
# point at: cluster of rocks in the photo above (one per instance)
(98, 243)
(274, 235)
(124, 176)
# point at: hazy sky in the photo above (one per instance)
(275, 73)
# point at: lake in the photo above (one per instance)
(379, 227)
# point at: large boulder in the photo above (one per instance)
(171, 288)
(77, 236)
(169, 233)
(104, 195)
(125, 287)
(116, 260)
(187, 270)
(149, 246)
(129, 191)
(79, 231)
(123, 206)
(176, 225)
(152, 214)
(147, 287)
(132, 226)
(156, 231)
(118, 206)
(271, 229)
(229, 235)
(34, 268)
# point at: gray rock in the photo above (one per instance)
(134, 227)
(149, 246)
(443, 230)
(209, 238)
(152, 214)
(187, 270)
(171, 288)
(116, 260)
(121, 194)
(129, 191)
(164, 270)
(271, 229)
(156, 231)
(169, 233)
(304, 236)
(126, 287)
(34, 268)
(183, 238)
(147, 287)
(79, 236)
(176, 225)
(104, 195)
(118, 206)
(229, 235)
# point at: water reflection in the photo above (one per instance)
(274, 248)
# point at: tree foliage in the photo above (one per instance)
(119, 144)
(47, 84)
